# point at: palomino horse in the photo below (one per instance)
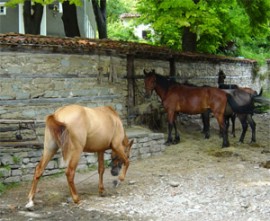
(244, 95)
(76, 129)
(160, 84)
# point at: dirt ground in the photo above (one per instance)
(194, 180)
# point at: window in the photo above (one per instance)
(3, 9)
(146, 34)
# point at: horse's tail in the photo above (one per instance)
(59, 133)
(240, 109)
(257, 97)
(260, 94)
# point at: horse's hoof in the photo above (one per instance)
(167, 143)
(30, 204)
(225, 145)
(176, 140)
(102, 194)
(116, 183)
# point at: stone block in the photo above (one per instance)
(12, 179)
(16, 172)
(5, 172)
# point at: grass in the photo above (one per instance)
(6, 187)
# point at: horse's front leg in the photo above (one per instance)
(169, 139)
(101, 170)
(122, 155)
(125, 168)
(171, 123)
(177, 135)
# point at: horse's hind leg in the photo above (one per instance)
(222, 121)
(233, 117)
(252, 124)
(70, 173)
(50, 148)
(243, 120)
(206, 124)
(101, 170)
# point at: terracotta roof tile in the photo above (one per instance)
(85, 45)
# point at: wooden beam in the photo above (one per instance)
(172, 67)
(131, 85)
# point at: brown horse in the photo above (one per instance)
(76, 129)
(190, 100)
(193, 100)
(160, 84)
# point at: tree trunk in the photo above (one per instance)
(100, 14)
(70, 20)
(32, 20)
(189, 40)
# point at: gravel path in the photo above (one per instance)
(194, 180)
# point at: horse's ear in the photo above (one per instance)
(130, 143)
(145, 73)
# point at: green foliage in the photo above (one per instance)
(5, 187)
(16, 159)
(117, 31)
(117, 7)
(216, 23)
(2, 188)
(12, 3)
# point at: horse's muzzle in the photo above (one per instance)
(115, 171)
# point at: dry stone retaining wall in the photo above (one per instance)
(18, 164)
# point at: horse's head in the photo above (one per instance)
(116, 163)
(149, 82)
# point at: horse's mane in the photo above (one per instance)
(165, 82)
(228, 86)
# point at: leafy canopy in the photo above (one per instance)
(12, 3)
(215, 22)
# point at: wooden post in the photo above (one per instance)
(172, 67)
(131, 86)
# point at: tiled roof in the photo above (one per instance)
(129, 15)
(20, 42)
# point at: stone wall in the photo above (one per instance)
(34, 85)
(18, 164)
